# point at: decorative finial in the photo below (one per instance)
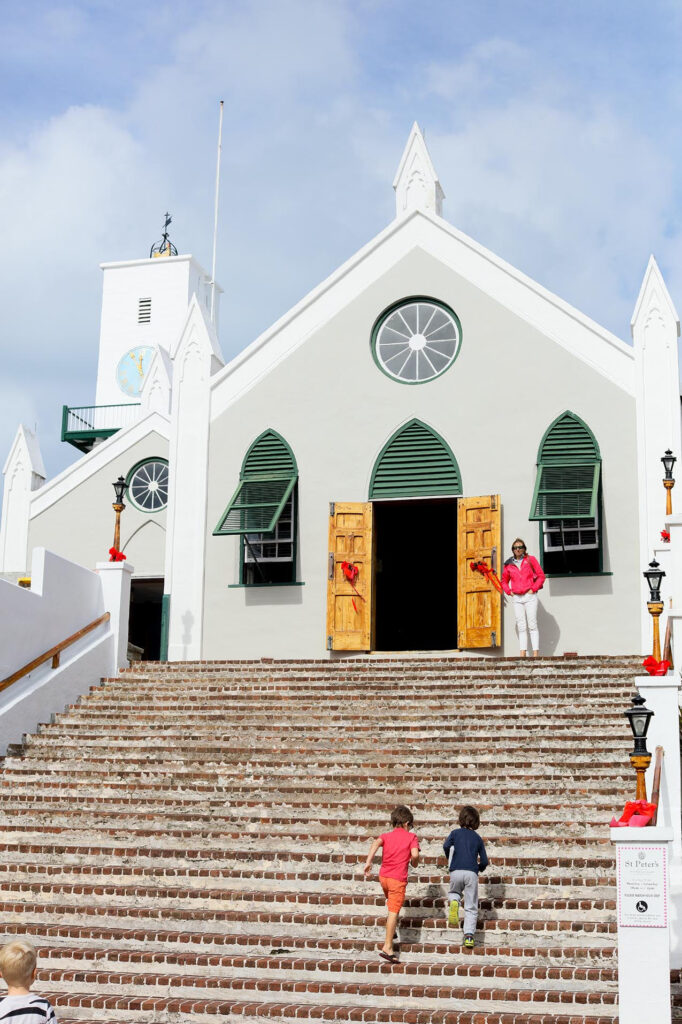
(165, 247)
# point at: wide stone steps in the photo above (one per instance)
(187, 842)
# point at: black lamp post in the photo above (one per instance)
(639, 718)
(120, 487)
(668, 461)
(653, 575)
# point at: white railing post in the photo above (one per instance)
(643, 909)
(662, 696)
(115, 577)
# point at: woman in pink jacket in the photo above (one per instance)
(522, 577)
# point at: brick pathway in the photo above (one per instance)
(186, 843)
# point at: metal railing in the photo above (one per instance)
(94, 418)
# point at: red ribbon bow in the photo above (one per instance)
(116, 556)
(656, 668)
(665, 536)
(636, 814)
(485, 570)
(351, 572)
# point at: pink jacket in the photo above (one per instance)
(529, 577)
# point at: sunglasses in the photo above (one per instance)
(518, 547)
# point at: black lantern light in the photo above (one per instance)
(639, 717)
(653, 575)
(668, 461)
(120, 487)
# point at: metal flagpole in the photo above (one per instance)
(215, 215)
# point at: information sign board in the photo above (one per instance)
(642, 886)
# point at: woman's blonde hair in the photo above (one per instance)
(18, 962)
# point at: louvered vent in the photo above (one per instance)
(567, 442)
(144, 311)
(268, 454)
(415, 462)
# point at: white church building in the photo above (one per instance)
(419, 409)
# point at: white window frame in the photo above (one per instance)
(254, 543)
(552, 527)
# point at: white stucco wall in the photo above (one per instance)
(336, 410)
(80, 524)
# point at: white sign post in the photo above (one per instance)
(642, 859)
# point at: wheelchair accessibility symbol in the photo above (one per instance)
(642, 906)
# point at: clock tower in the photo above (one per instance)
(144, 304)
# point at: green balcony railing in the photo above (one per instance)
(84, 425)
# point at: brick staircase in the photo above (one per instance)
(186, 843)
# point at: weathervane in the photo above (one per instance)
(165, 247)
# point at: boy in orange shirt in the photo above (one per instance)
(400, 849)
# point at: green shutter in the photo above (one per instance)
(268, 477)
(566, 492)
(569, 466)
(256, 505)
(416, 461)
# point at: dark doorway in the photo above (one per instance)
(416, 575)
(144, 629)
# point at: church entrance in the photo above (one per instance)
(415, 591)
(144, 626)
(404, 575)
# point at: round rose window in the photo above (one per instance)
(148, 485)
(417, 340)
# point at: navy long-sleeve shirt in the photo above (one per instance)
(465, 851)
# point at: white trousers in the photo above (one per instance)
(526, 607)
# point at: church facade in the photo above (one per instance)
(329, 489)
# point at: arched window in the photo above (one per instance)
(566, 499)
(415, 462)
(262, 512)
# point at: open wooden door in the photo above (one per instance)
(479, 605)
(350, 614)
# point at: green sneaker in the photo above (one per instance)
(469, 941)
(453, 913)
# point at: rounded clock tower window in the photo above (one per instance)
(148, 485)
(416, 340)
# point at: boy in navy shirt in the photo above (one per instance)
(466, 858)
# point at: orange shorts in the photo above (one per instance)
(394, 891)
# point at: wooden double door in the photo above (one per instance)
(424, 574)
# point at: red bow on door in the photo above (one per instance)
(489, 574)
(351, 572)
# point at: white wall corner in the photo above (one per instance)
(188, 487)
(655, 329)
(155, 395)
(24, 472)
(416, 183)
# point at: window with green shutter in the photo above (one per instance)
(415, 462)
(262, 512)
(566, 497)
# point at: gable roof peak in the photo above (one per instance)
(416, 183)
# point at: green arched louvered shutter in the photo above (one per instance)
(268, 477)
(415, 462)
(569, 465)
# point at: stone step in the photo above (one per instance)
(431, 948)
(388, 988)
(477, 963)
(303, 877)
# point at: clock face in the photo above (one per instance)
(132, 367)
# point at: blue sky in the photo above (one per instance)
(553, 127)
